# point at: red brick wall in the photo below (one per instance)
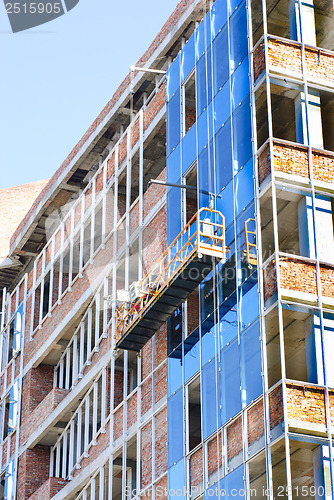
(305, 404)
(196, 468)
(255, 422)
(275, 407)
(160, 446)
(146, 455)
(234, 438)
(33, 471)
(36, 385)
(49, 489)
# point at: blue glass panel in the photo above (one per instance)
(187, 58)
(201, 89)
(228, 320)
(189, 148)
(173, 78)
(174, 199)
(173, 122)
(209, 342)
(242, 134)
(233, 5)
(231, 397)
(238, 36)
(246, 222)
(176, 481)
(174, 165)
(224, 170)
(225, 203)
(174, 330)
(222, 106)
(175, 427)
(174, 370)
(209, 73)
(250, 352)
(210, 120)
(244, 187)
(248, 301)
(220, 60)
(240, 83)
(218, 16)
(202, 128)
(234, 484)
(191, 355)
(200, 41)
(210, 395)
(205, 175)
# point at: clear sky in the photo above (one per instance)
(56, 78)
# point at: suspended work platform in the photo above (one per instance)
(185, 263)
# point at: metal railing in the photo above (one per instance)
(250, 242)
(204, 234)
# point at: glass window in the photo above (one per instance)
(234, 483)
(250, 351)
(173, 78)
(218, 16)
(223, 154)
(200, 41)
(238, 36)
(244, 187)
(328, 323)
(174, 165)
(173, 122)
(220, 60)
(174, 369)
(17, 330)
(194, 414)
(189, 149)
(174, 330)
(205, 175)
(201, 87)
(222, 106)
(174, 198)
(210, 393)
(228, 321)
(187, 58)
(13, 402)
(9, 484)
(225, 203)
(248, 301)
(231, 400)
(240, 83)
(191, 355)
(209, 341)
(203, 133)
(242, 134)
(176, 480)
(175, 428)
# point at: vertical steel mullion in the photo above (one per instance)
(92, 220)
(71, 450)
(82, 235)
(52, 463)
(101, 485)
(95, 406)
(71, 247)
(82, 344)
(61, 373)
(97, 318)
(79, 435)
(75, 358)
(51, 273)
(89, 331)
(61, 262)
(68, 367)
(105, 305)
(92, 489)
(64, 461)
(103, 395)
(58, 459)
(104, 205)
(87, 403)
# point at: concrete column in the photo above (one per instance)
(302, 24)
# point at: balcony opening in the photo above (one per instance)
(189, 100)
(132, 371)
(273, 347)
(98, 227)
(194, 414)
(119, 380)
(121, 201)
(87, 241)
(154, 165)
(283, 108)
(327, 117)
(76, 256)
(131, 466)
(46, 295)
(267, 225)
(257, 20)
(324, 18)
(192, 312)
(134, 187)
(261, 115)
(291, 227)
(190, 195)
(278, 18)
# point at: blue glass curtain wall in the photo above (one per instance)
(224, 351)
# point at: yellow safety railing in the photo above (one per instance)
(250, 245)
(204, 234)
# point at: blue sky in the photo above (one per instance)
(55, 79)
